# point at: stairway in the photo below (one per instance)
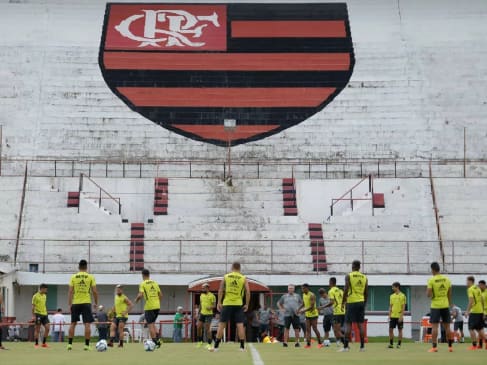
(137, 246)
(317, 245)
(161, 198)
(289, 197)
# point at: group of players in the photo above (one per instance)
(348, 308)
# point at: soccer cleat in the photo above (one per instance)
(391, 346)
(213, 349)
(242, 349)
(284, 344)
(450, 349)
(199, 344)
(69, 347)
(120, 345)
(36, 346)
(307, 346)
(297, 344)
(110, 344)
(2, 348)
(433, 349)
(471, 348)
(362, 349)
(87, 348)
(158, 344)
(320, 345)
(45, 345)
(345, 349)
(398, 346)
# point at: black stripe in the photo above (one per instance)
(215, 116)
(271, 11)
(298, 45)
(153, 78)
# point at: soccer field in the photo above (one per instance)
(229, 354)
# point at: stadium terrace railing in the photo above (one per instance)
(262, 256)
(249, 169)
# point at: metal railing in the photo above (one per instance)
(257, 256)
(102, 194)
(249, 169)
(351, 198)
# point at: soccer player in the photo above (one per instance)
(355, 297)
(325, 307)
(439, 290)
(152, 295)
(207, 305)
(121, 307)
(1, 327)
(475, 314)
(311, 312)
(288, 305)
(81, 286)
(397, 306)
(483, 289)
(39, 315)
(336, 297)
(233, 288)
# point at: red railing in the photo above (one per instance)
(334, 201)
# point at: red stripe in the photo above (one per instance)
(288, 29)
(226, 97)
(227, 61)
(217, 132)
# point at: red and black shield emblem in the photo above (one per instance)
(189, 67)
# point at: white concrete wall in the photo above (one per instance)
(417, 83)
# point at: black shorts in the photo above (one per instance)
(476, 321)
(339, 319)
(394, 322)
(118, 320)
(41, 319)
(151, 315)
(458, 326)
(83, 310)
(355, 312)
(205, 318)
(485, 320)
(292, 320)
(232, 313)
(442, 314)
(327, 321)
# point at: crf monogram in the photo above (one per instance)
(181, 26)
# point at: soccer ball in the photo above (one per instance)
(327, 343)
(149, 345)
(101, 346)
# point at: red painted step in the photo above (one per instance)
(161, 196)
(378, 200)
(317, 245)
(136, 256)
(73, 199)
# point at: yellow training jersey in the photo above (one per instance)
(307, 304)
(397, 301)
(484, 297)
(151, 292)
(39, 303)
(336, 294)
(207, 301)
(475, 293)
(440, 285)
(356, 292)
(82, 283)
(234, 288)
(121, 306)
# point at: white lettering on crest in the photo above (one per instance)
(182, 28)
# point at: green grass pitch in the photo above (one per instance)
(271, 354)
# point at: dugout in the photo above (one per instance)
(258, 291)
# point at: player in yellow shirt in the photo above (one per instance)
(483, 289)
(336, 297)
(207, 305)
(354, 297)
(152, 294)
(39, 315)
(121, 308)
(311, 313)
(475, 313)
(233, 288)
(81, 286)
(439, 290)
(397, 306)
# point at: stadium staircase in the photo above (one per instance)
(289, 197)
(137, 246)
(317, 244)
(161, 196)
